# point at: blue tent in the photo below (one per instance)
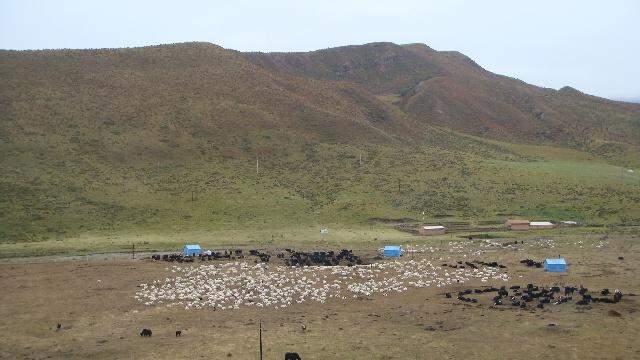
(555, 265)
(191, 250)
(392, 251)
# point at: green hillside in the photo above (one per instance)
(164, 140)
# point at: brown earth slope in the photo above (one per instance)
(376, 92)
(175, 92)
(448, 89)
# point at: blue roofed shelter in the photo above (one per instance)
(392, 251)
(191, 250)
(555, 265)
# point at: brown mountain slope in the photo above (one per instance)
(369, 93)
(449, 89)
(170, 94)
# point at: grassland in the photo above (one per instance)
(160, 143)
(340, 186)
(94, 302)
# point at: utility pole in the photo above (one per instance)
(260, 332)
(257, 164)
(133, 250)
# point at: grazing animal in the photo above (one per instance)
(569, 290)
(292, 356)
(178, 333)
(544, 291)
(462, 298)
(471, 265)
(583, 290)
(322, 258)
(562, 299)
(490, 264)
(146, 332)
(617, 296)
(604, 292)
(620, 257)
(531, 263)
(58, 327)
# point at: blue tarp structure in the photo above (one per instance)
(555, 265)
(191, 250)
(392, 251)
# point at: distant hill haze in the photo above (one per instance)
(635, 100)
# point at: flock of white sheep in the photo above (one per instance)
(239, 284)
(234, 285)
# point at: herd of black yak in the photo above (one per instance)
(521, 297)
(472, 264)
(290, 257)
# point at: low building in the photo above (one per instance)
(432, 230)
(515, 224)
(555, 265)
(191, 250)
(568, 223)
(392, 251)
(541, 225)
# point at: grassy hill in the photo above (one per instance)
(164, 140)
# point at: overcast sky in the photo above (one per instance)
(593, 46)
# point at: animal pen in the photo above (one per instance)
(518, 224)
(432, 230)
(541, 225)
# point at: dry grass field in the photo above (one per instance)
(94, 301)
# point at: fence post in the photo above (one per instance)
(260, 332)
